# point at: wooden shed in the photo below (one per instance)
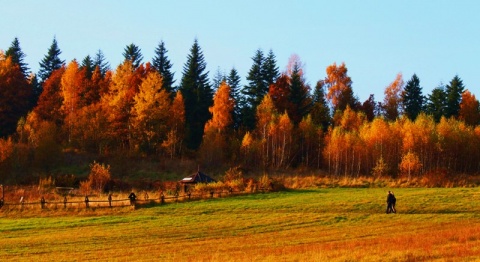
(198, 177)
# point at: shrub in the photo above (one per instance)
(233, 174)
(97, 179)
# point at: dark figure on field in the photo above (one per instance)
(132, 198)
(86, 201)
(110, 200)
(391, 200)
(42, 202)
(1, 203)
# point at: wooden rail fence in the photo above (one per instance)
(106, 202)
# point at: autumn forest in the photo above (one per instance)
(276, 121)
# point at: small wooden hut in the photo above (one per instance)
(198, 177)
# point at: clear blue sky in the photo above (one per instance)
(376, 39)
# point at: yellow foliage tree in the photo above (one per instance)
(410, 164)
(150, 113)
(176, 122)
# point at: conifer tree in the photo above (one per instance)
(17, 56)
(133, 54)
(320, 110)
(197, 94)
(413, 98)
(88, 65)
(218, 78)
(270, 69)
(101, 62)
(436, 103)
(50, 62)
(162, 64)
(254, 91)
(233, 80)
(298, 96)
(453, 92)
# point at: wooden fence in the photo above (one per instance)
(109, 202)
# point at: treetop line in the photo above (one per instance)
(275, 120)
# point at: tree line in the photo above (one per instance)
(275, 121)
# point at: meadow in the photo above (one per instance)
(330, 224)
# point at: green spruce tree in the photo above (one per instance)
(50, 62)
(233, 80)
(413, 100)
(162, 64)
(298, 96)
(454, 92)
(17, 56)
(254, 91)
(133, 53)
(101, 62)
(436, 103)
(89, 65)
(320, 110)
(270, 69)
(218, 78)
(198, 96)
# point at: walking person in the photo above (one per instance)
(132, 198)
(391, 200)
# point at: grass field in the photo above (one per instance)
(339, 224)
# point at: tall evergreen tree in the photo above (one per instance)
(454, 92)
(101, 62)
(133, 54)
(270, 69)
(254, 91)
(162, 64)
(17, 56)
(298, 96)
(198, 95)
(233, 80)
(320, 110)
(436, 103)
(88, 65)
(50, 62)
(413, 100)
(218, 78)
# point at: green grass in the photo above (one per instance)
(322, 224)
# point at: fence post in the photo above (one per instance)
(86, 201)
(110, 200)
(65, 202)
(42, 202)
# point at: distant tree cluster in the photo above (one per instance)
(275, 121)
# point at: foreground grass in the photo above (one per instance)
(312, 225)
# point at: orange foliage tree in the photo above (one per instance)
(15, 95)
(393, 98)
(469, 109)
(173, 144)
(217, 129)
(339, 87)
(50, 101)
